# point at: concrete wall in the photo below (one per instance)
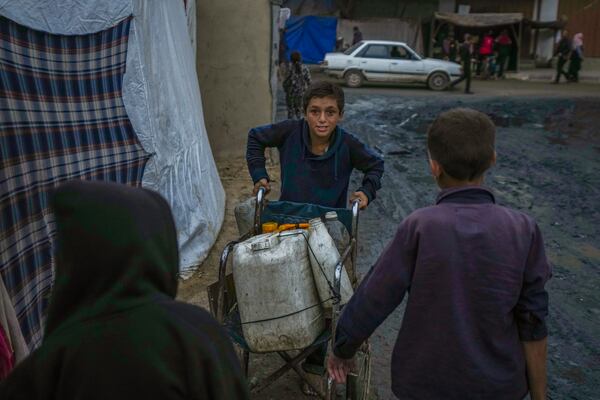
(447, 6)
(548, 11)
(233, 61)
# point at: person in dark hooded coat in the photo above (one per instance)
(114, 330)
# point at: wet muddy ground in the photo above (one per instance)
(548, 166)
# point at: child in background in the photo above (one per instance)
(295, 85)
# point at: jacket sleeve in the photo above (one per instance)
(259, 139)
(211, 367)
(379, 293)
(532, 307)
(366, 160)
(218, 375)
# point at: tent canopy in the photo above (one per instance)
(481, 20)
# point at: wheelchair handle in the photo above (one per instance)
(258, 208)
(355, 212)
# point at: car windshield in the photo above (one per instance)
(417, 54)
(351, 49)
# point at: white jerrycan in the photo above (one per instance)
(324, 256)
(273, 281)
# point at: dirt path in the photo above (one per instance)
(548, 164)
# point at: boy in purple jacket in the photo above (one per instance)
(474, 325)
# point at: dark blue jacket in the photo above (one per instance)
(308, 178)
(476, 273)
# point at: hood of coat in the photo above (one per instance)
(335, 143)
(116, 248)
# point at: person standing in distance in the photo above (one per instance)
(466, 53)
(563, 51)
(357, 35)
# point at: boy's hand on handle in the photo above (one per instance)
(261, 183)
(364, 200)
(338, 368)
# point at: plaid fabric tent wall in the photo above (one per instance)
(144, 100)
(61, 117)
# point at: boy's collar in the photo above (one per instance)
(466, 194)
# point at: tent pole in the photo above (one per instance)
(535, 44)
(432, 38)
(519, 44)
(517, 35)
(538, 6)
(431, 30)
(417, 33)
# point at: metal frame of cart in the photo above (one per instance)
(223, 305)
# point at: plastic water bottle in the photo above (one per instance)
(337, 230)
(244, 215)
(324, 256)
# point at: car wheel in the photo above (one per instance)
(353, 79)
(438, 81)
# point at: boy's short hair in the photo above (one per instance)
(462, 141)
(322, 89)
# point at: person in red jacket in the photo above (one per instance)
(485, 50)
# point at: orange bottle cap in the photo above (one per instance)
(269, 227)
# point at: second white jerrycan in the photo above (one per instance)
(337, 230)
(244, 215)
(324, 256)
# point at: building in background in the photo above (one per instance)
(583, 16)
(237, 45)
(376, 19)
(577, 15)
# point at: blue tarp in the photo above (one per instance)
(311, 36)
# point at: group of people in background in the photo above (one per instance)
(571, 51)
(489, 54)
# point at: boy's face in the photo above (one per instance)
(322, 115)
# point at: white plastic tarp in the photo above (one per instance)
(162, 99)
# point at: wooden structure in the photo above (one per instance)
(583, 16)
(512, 21)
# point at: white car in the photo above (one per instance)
(385, 61)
